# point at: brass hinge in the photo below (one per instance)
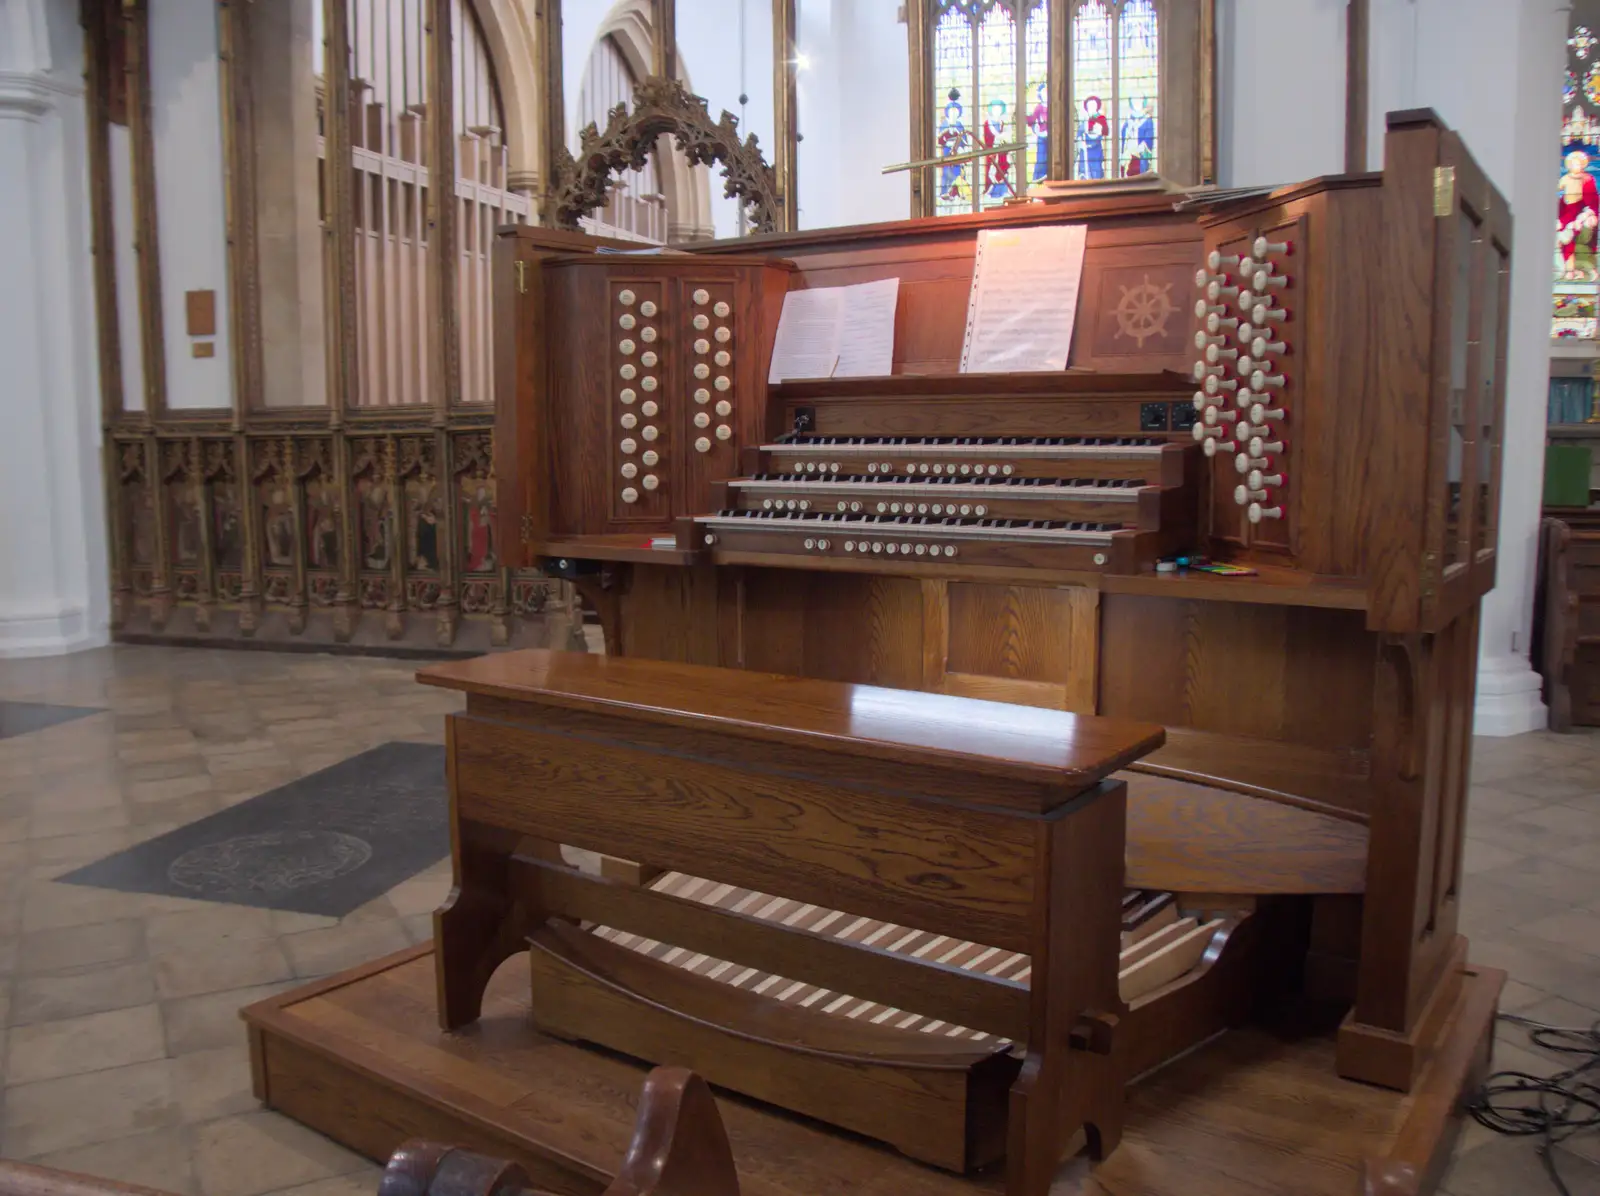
(527, 520)
(522, 278)
(1444, 190)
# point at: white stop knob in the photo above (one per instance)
(702, 445)
(1259, 480)
(629, 494)
(651, 481)
(1259, 512)
(724, 432)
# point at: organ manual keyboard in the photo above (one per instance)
(1307, 383)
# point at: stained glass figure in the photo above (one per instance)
(1093, 102)
(1138, 85)
(1591, 84)
(1036, 93)
(997, 92)
(953, 86)
(1581, 41)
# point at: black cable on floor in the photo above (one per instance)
(1551, 1108)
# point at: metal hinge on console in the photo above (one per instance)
(1444, 190)
(522, 278)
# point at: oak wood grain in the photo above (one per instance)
(827, 716)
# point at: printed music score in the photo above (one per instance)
(828, 332)
(1024, 299)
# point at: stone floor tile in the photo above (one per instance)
(363, 1182)
(1511, 1167)
(50, 1050)
(1577, 929)
(1544, 877)
(54, 1115)
(214, 1083)
(254, 1153)
(418, 928)
(1487, 803)
(49, 998)
(1480, 856)
(219, 966)
(319, 952)
(158, 1159)
(60, 854)
(421, 894)
(211, 1021)
(206, 922)
(50, 906)
(47, 822)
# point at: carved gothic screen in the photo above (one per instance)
(390, 149)
(991, 86)
(1132, 79)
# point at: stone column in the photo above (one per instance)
(53, 576)
(1508, 688)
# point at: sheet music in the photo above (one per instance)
(1024, 299)
(848, 331)
(807, 342)
(866, 329)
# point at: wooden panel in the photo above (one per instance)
(1301, 675)
(594, 991)
(1021, 632)
(924, 986)
(200, 312)
(1192, 838)
(1134, 308)
(932, 867)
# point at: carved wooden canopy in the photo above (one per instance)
(663, 106)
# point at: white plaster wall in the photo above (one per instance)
(718, 65)
(873, 116)
(53, 593)
(191, 223)
(1280, 66)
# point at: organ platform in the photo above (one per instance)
(1306, 385)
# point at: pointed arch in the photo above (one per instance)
(687, 188)
(510, 40)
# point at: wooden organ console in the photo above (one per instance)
(1308, 384)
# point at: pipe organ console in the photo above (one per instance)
(1308, 384)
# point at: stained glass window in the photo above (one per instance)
(953, 89)
(1036, 95)
(1093, 92)
(998, 104)
(1575, 312)
(1138, 86)
(991, 90)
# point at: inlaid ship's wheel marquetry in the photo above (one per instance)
(1142, 311)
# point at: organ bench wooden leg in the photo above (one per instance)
(1076, 1063)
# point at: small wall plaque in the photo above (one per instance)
(201, 308)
